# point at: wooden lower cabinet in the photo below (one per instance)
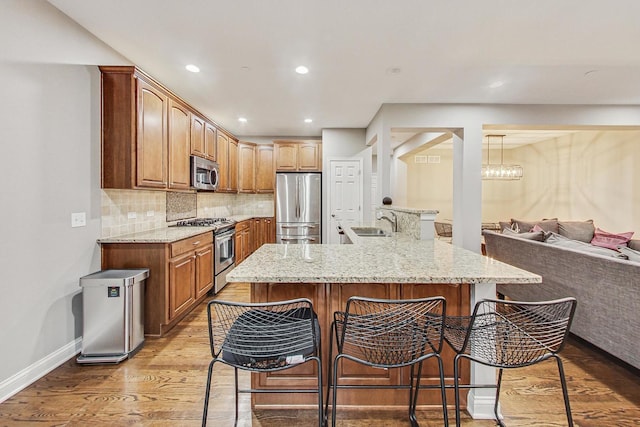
(180, 275)
(253, 233)
(328, 298)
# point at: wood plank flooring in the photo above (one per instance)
(163, 385)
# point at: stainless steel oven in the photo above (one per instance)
(224, 256)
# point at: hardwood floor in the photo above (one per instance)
(163, 385)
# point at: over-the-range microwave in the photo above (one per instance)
(204, 174)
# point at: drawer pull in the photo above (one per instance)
(196, 243)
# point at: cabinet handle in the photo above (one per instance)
(196, 243)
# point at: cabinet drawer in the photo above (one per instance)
(191, 243)
(241, 226)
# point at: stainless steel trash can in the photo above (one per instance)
(112, 315)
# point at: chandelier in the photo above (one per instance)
(500, 171)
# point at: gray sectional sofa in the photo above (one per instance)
(607, 289)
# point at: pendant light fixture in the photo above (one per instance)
(500, 171)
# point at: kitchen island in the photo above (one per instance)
(393, 267)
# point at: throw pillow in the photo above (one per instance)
(550, 224)
(576, 245)
(630, 253)
(634, 244)
(504, 224)
(531, 235)
(577, 230)
(610, 240)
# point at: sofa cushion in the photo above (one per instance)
(576, 245)
(631, 254)
(610, 240)
(577, 230)
(547, 224)
(504, 225)
(531, 235)
(634, 244)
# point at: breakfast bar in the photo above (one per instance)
(396, 266)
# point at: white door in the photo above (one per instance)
(345, 195)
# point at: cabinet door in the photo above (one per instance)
(267, 230)
(310, 156)
(204, 270)
(239, 248)
(198, 147)
(151, 149)
(210, 141)
(246, 242)
(181, 284)
(246, 169)
(179, 146)
(286, 155)
(256, 234)
(222, 156)
(264, 169)
(233, 165)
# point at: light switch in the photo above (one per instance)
(78, 219)
(131, 215)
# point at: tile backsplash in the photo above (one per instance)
(132, 211)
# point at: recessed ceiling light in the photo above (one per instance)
(394, 70)
(192, 68)
(308, 120)
(242, 119)
(496, 84)
(302, 69)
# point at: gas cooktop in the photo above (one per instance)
(220, 224)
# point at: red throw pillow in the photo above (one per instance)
(610, 240)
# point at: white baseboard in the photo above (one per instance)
(480, 407)
(42, 367)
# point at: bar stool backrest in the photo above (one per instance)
(390, 333)
(513, 333)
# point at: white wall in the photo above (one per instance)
(430, 185)
(345, 143)
(585, 175)
(49, 168)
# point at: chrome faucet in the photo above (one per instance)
(393, 220)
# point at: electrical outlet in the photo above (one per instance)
(132, 215)
(78, 219)
(151, 213)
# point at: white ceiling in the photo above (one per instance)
(363, 53)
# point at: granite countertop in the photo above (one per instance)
(396, 259)
(168, 234)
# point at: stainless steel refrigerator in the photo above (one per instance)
(298, 207)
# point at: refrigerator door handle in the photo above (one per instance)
(297, 196)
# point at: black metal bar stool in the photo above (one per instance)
(389, 334)
(263, 337)
(510, 334)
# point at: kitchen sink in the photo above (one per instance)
(370, 232)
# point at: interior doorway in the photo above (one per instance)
(345, 195)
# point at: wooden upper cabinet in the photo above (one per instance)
(264, 168)
(210, 141)
(233, 165)
(286, 156)
(179, 146)
(198, 147)
(151, 152)
(227, 158)
(246, 167)
(134, 130)
(222, 157)
(292, 156)
(149, 134)
(310, 156)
